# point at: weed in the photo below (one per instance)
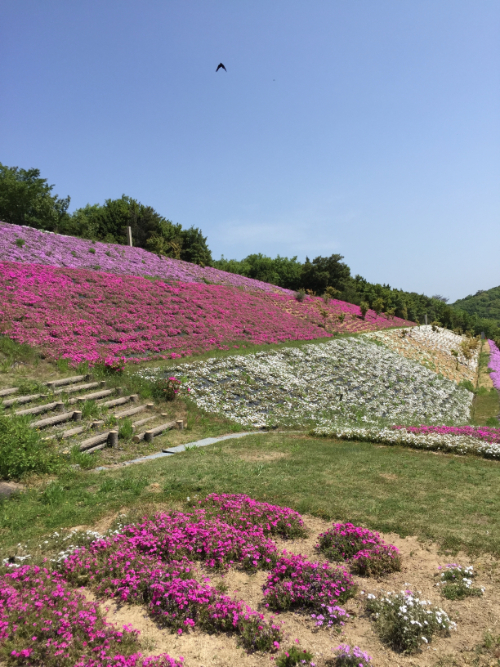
(90, 409)
(126, 430)
(22, 451)
(20, 242)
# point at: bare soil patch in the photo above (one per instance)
(263, 456)
(474, 616)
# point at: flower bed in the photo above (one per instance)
(349, 380)
(118, 568)
(439, 442)
(364, 549)
(296, 583)
(198, 537)
(118, 318)
(494, 363)
(432, 347)
(115, 317)
(45, 622)
(405, 621)
(71, 252)
(245, 513)
(486, 433)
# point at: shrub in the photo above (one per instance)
(300, 295)
(364, 308)
(296, 583)
(114, 366)
(347, 656)
(22, 451)
(208, 539)
(456, 582)
(294, 656)
(404, 621)
(92, 251)
(20, 242)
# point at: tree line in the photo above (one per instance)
(27, 199)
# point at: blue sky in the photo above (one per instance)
(369, 128)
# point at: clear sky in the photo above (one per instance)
(369, 128)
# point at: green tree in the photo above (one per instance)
(324, 272)
(27, 199)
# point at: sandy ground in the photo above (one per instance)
(473, 616)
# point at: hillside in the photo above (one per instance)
(484, 304)
(89, 315)
(32, 246)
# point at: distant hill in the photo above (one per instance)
(484, 303)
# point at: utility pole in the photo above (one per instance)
(129, 234)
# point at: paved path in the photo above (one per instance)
(170, 451)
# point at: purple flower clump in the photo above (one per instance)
(494, 363)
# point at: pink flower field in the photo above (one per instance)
(73, 253)
(86, 315)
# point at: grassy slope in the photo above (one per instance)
(486, 304)
(453, 500)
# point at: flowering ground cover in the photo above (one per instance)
(341, 479)
(114, 318)
(27, 245)
(486, 433)
(347, 380)
(494, 363)
(245, 513)
(405, 621)
(439, 440)
(432, 347)
(297, 583)
(367, 553)
(43, 621)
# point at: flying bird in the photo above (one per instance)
(221, 66)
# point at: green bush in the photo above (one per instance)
(22, 451)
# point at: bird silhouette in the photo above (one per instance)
(221, 66)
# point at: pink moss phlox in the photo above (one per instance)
(245, 513)
(297, 583)
(117, 567)
(127, 318)
(344, 540)
(43, 621)
(200, 537)
(494, 363)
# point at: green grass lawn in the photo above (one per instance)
(452, 500)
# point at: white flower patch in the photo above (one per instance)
(351, 380)
(458, 444)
